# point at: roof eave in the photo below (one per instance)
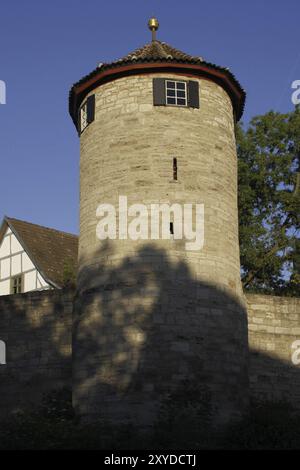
(111, 72)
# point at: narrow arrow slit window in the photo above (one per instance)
(175, 169)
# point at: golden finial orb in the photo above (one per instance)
(153, 25)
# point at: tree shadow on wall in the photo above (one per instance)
(148, 337)
(273, 419)
(36, 328)
(145, 329)
(153, 344)
(274, 380)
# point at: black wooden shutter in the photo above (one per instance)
(79, 120)
(90, 104)
(193, 94)
(159, 92)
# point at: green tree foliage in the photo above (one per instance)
(269, 203)
(69, 273)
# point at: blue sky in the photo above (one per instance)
(47, 46)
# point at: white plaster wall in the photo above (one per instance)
(13, 261)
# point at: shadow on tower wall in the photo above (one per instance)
(144, 329)
(148, 331)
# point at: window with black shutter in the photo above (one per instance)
(159, 92)
(193, 94)
(86, 113)
(182, 93)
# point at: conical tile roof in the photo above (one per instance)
(157, 57)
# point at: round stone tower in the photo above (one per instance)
(158, 310)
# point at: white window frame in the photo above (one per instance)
(2, 353)
(176, 97)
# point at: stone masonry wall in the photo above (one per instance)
(274, 330)
(36, 329)
(154, 314)
(129, 149)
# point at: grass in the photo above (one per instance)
(184, 423)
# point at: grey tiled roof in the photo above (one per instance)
(156, 50)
